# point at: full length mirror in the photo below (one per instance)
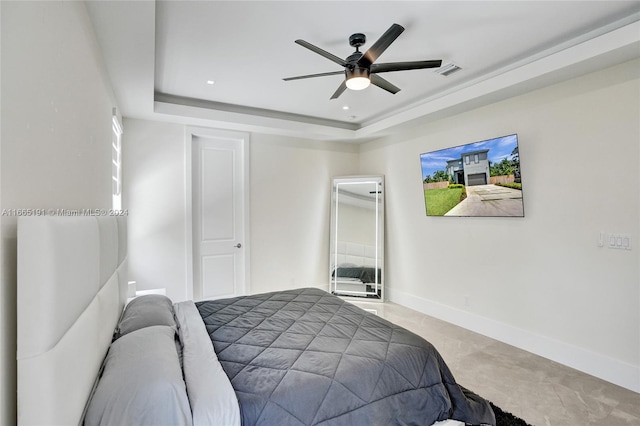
(357, 237)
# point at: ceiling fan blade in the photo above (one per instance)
(383, 84)
(380, 45)
(300, 77)
(402, 66)
(322, 52)
(341, 89)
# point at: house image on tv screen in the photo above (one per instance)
(476, 179)
(471, 169)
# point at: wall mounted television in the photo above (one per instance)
(477, 179)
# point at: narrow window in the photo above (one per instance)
(466, 159)
(116, 162)
(476, 159)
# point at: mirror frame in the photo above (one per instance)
(377, 294)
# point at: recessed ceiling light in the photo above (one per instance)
(346, 107)
(210, 82)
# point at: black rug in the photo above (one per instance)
(506, 419)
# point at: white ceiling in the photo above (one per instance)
(159, 56)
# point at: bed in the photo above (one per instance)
(295, 357)
(356, 271)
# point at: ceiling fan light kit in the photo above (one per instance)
(357, 78)
(359, 68)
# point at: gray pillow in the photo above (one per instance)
(141, 383)
(146, 311)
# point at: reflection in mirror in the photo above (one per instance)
(357, 224)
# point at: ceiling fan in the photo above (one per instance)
(360, 69)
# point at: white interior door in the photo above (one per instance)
(219, 216)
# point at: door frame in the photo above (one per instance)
(192, 132)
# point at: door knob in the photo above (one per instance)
(238, 245)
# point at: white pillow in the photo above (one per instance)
(141, 383)
(145, 311)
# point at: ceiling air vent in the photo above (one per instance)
(448, 69)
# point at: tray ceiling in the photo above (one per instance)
(163, 56)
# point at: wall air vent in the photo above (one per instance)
(448, 69)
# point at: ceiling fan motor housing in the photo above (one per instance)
(353, 59)
(356, 72)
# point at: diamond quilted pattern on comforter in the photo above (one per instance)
(306, 357)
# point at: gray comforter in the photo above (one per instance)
(306, 357)
(363, 273)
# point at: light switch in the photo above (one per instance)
(620, 241)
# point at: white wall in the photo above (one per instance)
(153, 173)
(290, 194)
(56, 135)
(290, 208)
(538, 282)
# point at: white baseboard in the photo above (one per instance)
(598, 365)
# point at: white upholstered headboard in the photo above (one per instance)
(356, 254)
(72, 287)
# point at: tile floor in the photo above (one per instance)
(542, 392)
